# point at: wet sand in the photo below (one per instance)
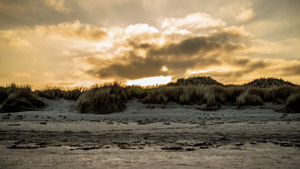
(171, 136)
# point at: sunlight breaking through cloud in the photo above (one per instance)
(127, 40)
(150, 81)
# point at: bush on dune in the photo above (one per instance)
(20, 98)
(103, 100)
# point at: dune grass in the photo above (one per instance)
(109, 98)
(55, 93)
(19, 98)
(103, 100)
(215, 96)
(293, 103)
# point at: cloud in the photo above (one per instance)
(9, 37)
(141, 55)
(74, 30)
(194, 21)
(140, 29)
(22, 74)
(291, 68)
(58, 5)
(264, 49)
(168, 43)
(194, 51)
(245, 15)
(240, 10)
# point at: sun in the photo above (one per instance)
(150, 81)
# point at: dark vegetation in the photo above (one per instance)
(103, 100)
(56, 93)
(15, 98)
(204, 91)
(195, 81)
(268, 82)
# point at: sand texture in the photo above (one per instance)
(171, 136)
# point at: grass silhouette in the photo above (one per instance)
(19, 98)
(109, 98)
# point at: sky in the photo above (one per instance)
(81, 43)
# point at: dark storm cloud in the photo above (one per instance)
(202, 45)
(177, 57)
(136, 68)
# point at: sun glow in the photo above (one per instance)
(150, 81)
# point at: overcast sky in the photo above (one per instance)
(76, 42)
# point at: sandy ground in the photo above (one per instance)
(171, 136)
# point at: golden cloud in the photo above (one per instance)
(191, 52)
(8, 37)
(240, 10)
(74, 30)
(193, 21)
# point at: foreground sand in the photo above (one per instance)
(170, 137)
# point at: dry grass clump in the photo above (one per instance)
(218, 92)
(103, 100)
(234, 92)
(55, 93)
(247, 98)
(293, 103)
(72, 94)
(261, 92)
(19, 98)
(279, 94)
(187, 95)
(155, 98)
(3, 94)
